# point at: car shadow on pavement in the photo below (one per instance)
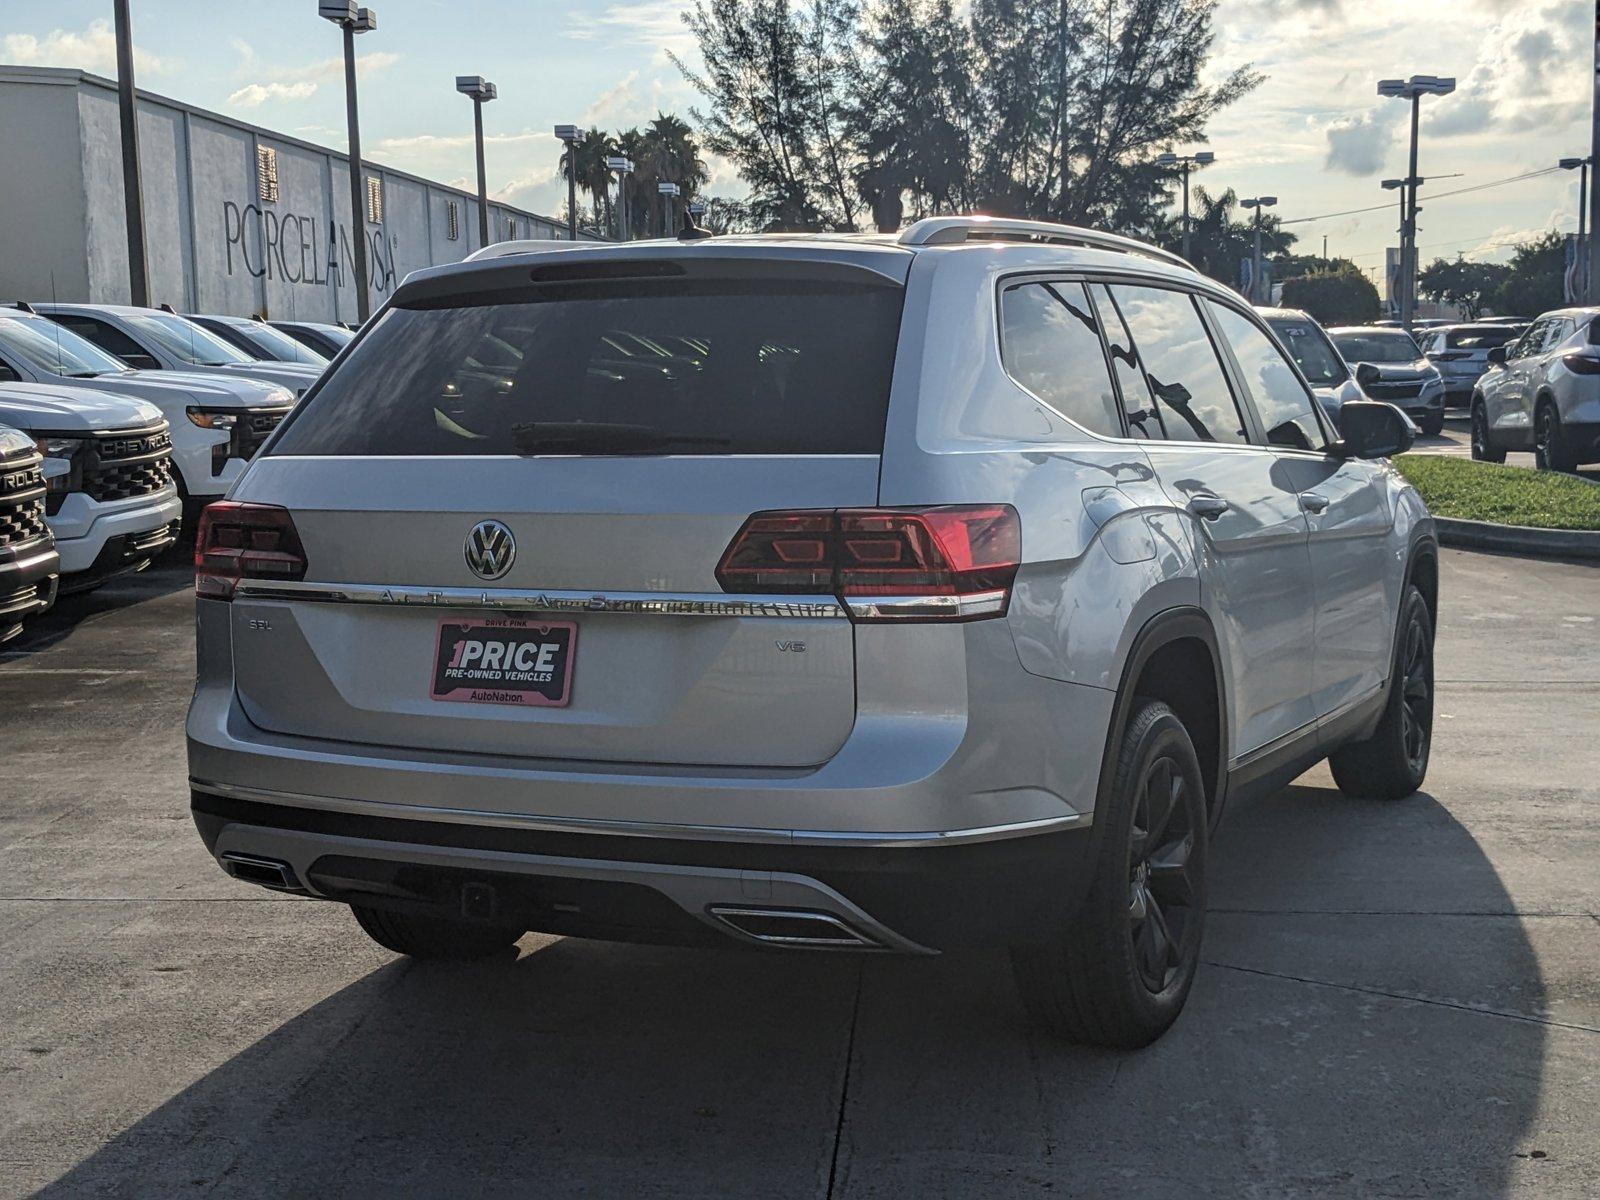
(163, 578)
(1353, 1032)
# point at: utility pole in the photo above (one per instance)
(353, 20)
(132, 189)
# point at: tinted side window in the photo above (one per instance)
(1181, 365)
(1144, 421)
(112, 340)
(1050, 341)
(1281, 400)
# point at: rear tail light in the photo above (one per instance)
(950, 563)
(244, 541)
(1582, 364)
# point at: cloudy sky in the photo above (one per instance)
(1315, 134)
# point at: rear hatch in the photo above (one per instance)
(513, 496)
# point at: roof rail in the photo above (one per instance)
(950, 231)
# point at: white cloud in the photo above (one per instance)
(92, 49)
(1531, 73)
(1359, 144)
(652, 22)
(256, 94)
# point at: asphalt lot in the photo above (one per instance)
(1455, 441)
(1398, 999)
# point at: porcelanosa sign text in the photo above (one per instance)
(266, 243)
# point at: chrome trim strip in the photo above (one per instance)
(854, 939)
(687, 604)
(980, 604)
(660, 829)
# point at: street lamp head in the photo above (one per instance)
(1168, 159)
(1205, 158)
(1432, 85)
(1269, 201)
(697, 208)
(477, 87)
(619, 164)
(667, 189)
(1389, 185)
(569, 133)
(1392, 88)
(1572, 164)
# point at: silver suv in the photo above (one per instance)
(880, 594)
(1543, 394)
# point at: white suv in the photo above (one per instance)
(882, 594)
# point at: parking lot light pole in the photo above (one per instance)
(1582, 165)
(572, 136)
(132, 185)
(667, 191)
(1413, 89)
(1203, 159)
(353, 20)
(1257, 203)
(622, 168)
(481, 92)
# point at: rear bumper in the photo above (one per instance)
(907, 898)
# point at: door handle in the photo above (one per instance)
(1312, 502)
(1209, 507)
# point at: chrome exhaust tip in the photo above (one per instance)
(796, 928)
(266, 872)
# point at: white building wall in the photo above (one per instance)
(215, 244)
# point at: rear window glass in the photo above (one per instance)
(1479, 339)
(676, 367)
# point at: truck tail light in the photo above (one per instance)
(244, 541)
(948, 563)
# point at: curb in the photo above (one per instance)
(1519, 539)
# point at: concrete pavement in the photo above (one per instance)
(1398, 999)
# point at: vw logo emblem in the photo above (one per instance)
(490, 549)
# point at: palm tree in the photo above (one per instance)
(588, 158)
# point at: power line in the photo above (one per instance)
(1478, 187)
(1441, 245)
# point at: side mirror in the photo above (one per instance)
(1367, 373)
(1499, 354)
(1373, 429)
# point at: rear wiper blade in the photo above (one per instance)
(599, 437)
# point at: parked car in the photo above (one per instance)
(1390, 366)
(1542, 393)
(260, 341)
(29, 565)
(327, 340)
(110, 499)
(1319, 361)
(216, 421)
(153, 340)
(1461, 352)
(944, 596)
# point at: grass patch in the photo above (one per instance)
(1477, 491)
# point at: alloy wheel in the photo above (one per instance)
(1544, 439)
(1161, 886)
(1416, 697)
(1480, 433)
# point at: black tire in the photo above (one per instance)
(1483, 448)
(1432, 425)
(1550, 449)
(433, 937)
(1393, 762)
(1118, 974)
